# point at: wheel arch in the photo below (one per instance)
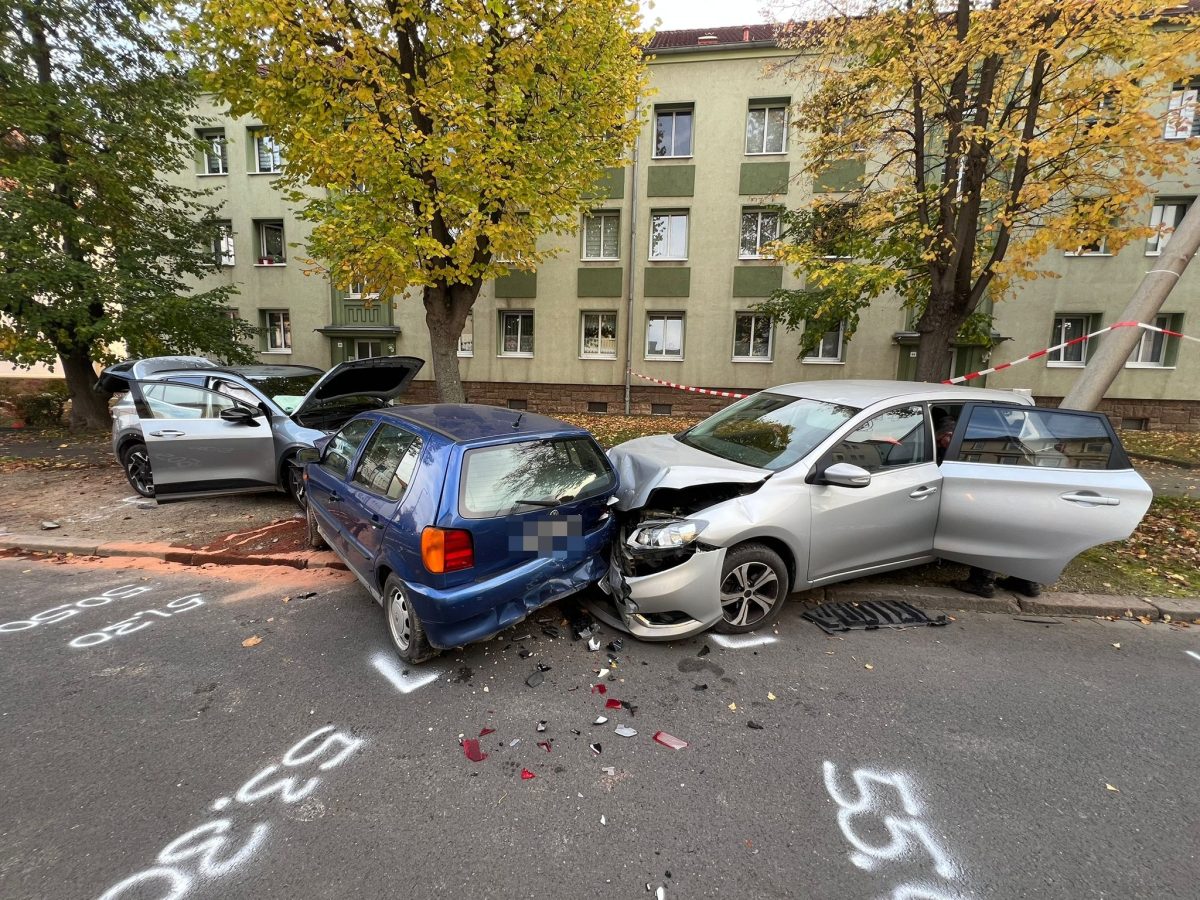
(779, 547)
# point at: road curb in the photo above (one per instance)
(1169, 460)
(182, 555)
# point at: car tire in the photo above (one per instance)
(405, 630)
(135, 461)
(754, 587)
(293, 482)
(315, 541)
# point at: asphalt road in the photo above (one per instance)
(163, 759)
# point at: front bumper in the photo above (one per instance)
(674, 603)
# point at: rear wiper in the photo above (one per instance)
(548, 504)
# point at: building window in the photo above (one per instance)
(829, 350)
(664, 336)
(516, 334)
(267, 155)
(1095, 248)
(518, 404)
(1164, 219)
(1069, 328)
(751, 337)
(766, 127)
(672, 131)
(660, 409)
(1182, 121)
(668, 235)
(278, 324)
(222, 245)
(1151, 350)
(466, 340)
(214, 158)
(597, 406)
(271, 245)
(601, 232)
(759, 228)
(599, 335)
(365, 349)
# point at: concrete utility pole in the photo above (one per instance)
(1097, 377)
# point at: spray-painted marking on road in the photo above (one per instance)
(740, 641)
(135, 623)
(909, 837)
(1193, 654)
(402, 679)
(199, 856)
(67, 610)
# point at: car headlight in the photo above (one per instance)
(663, 535)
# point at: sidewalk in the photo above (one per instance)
(1165, 609)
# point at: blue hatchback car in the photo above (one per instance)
(461, 519)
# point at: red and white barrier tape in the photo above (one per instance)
(1040, 353)
(689, 389)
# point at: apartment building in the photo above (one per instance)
(662, 275)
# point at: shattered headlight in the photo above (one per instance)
(665, 534)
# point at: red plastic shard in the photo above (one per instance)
(599, 689)
(526, 775)
(486, 731)
(545, 744)
(612, 703)
(471, 749)
(669, 741)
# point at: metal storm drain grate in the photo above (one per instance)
(833, 618)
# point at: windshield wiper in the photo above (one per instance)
(548, 504)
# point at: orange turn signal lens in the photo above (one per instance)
(446, 550)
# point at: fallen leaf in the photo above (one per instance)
(770, 696)
(1111, 788)
(1118, 646)
(868, 666)
(733, 706)
(252, 641)
(1145, 620)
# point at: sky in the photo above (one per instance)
(680, 14)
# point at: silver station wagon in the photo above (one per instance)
(808, 484)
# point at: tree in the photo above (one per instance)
(94, 248)
(442, 136)
(990, 133)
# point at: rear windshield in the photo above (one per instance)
(519, 477)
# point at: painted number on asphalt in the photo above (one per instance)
(136, 623)
(67, 610)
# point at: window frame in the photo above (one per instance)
(669, 214)
(213, 137)
(468, 329)
(758, 211)
(1159, 240)
(1058, 336)
(224, 249)
(518, 354)
(285, 330)
(260, 136)
(1179, 100)
(599, 215)
(766, 106)
(352, 479)
(665, 316)
(673, 110)
(260, 235)
(1162, 320)
(820, 359)
(751, 358)
(600, 314)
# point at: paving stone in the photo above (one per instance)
(1178, 608)
(1056, 604)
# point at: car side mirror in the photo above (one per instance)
(846, 475)
(308, 455)
(240, 415)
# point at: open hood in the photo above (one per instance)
(381, 377)
(648, 463)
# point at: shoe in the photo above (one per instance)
(1021, 586)
(979, 589)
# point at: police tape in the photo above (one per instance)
(1079, 340)
(689, 388)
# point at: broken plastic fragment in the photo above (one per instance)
(484, 732)
(609, 770)
(599, 689)
(705, 650)
(600, 673)
(545, 745)
(471, 750)
(699, 687)
(612, 703)
(551, 631)
(603, 821)
(661, 893)
(593, 644)
(753, 725)
(629, 706)
(514, 742)
(524, 654)
(542, 667)
(600, 720)
(526, 775)
(595, 748)
(616, 646)
(625, 731)
(669, 741)
(541, 726)
(535, 679)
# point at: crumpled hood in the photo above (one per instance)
(661, 461)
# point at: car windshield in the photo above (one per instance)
(769, 431)
(519, 477)
(286, 392)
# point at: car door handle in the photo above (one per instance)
(333, 497)
(1091, 499)
(923, 491)
(376, 522)
(167, 432)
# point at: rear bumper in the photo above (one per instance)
(478, 610)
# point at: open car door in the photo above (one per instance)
(201, 442)
(1026, 489)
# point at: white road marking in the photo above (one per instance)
(387, 666)
(739, 641)
(1193, 654)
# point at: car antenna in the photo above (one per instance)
(517, 424)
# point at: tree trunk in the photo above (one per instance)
(937, 328)
(88, 408)
(446, 311)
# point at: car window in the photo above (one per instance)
(341, 448)
(169, 400)
(1037, 437)
(388, 462)
(890, 440)
(770, 431)
(241, 394)
(496, 481)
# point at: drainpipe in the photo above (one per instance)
(631, 280)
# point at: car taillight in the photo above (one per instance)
(446, 550)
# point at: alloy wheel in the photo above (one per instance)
(137, 470)
(748, 593)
